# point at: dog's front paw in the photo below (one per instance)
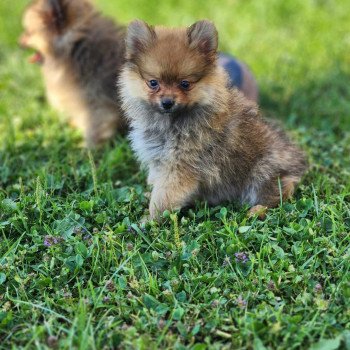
(155, 212)
(259, 211)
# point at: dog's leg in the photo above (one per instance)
(171, 191)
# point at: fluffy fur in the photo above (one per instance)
(81, 53)
(203, 141)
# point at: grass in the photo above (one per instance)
(78, 272)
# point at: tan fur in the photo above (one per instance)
(211, 144)
(172, 191)
(259, 211)
(82, 53)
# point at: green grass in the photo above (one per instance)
(106, 283)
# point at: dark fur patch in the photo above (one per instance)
(58, 13)
(54, 15)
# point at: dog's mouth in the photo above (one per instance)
(36, 58)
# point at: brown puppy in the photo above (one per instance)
(81, 53)
(199, 138)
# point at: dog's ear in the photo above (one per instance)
(56, 14)
(203, 36)
(139, 37)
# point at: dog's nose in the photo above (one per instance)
(167, 103)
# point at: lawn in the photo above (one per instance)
(77, 271)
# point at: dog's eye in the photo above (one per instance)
(153, 84)
(185, 84)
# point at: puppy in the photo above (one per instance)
(80, 53)
(199, 138)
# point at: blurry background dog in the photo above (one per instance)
(81, 53)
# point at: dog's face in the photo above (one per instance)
(45, 20)
(171, 69)
(36, 34)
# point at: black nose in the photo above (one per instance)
(167, 103)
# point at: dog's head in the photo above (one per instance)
(46, 20)
(171, 68)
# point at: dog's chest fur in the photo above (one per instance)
(159, 147)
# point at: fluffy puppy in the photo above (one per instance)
(80, 53)
(199, 138)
